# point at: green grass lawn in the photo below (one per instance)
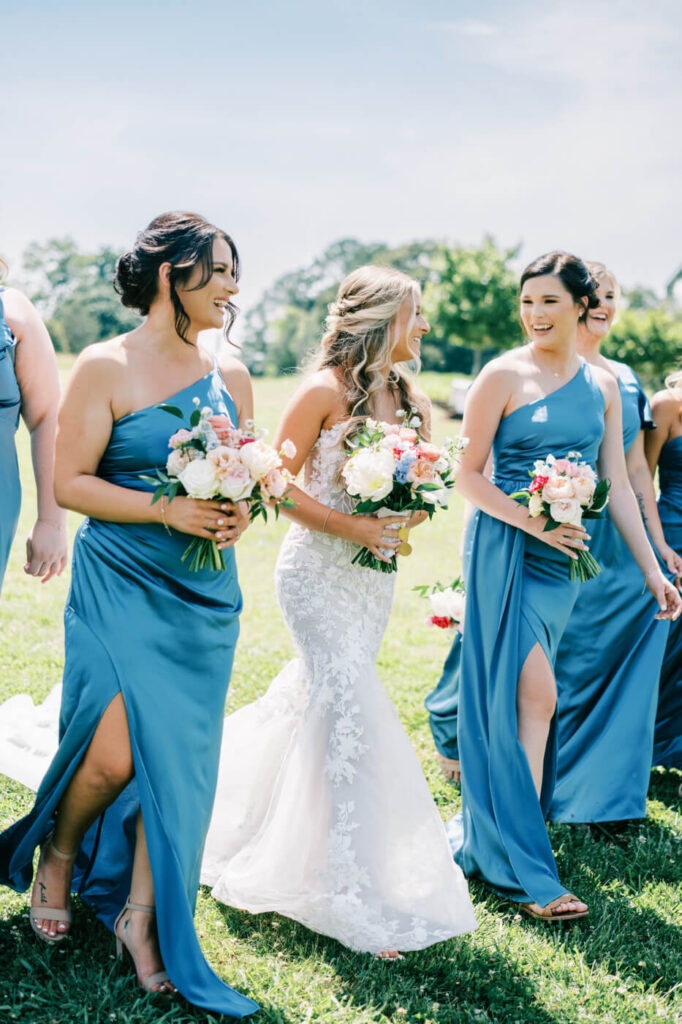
(622, 966)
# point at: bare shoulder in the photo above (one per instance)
(606, 380)
(234, 369)
(101, 365)
(501, 374)
(19, 311)
(665, 406)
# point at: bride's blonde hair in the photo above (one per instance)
(360, 338)
(674, 382)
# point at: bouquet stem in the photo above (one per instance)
(584, 568)
(203, 554)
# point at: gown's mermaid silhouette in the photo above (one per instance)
(607, 670)
(10, 405)
(668, 734)
(322, 811)
(139, 623)
(518, 596)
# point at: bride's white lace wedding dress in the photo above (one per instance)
(322, 812)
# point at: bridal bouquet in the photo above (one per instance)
(392, 470)
(213, 460)
(447, 604)
(567, 491)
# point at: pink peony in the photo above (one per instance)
(558, 488)
(421, 472)
(407, 434)
(561, 466)
(275, 483)
(584, 487)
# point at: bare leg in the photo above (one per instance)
(106, 769)
(535, 707)
(137, 929)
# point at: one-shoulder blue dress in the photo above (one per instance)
(139, 623)
(668, 734)
(10, 405)
(518, 595)
(607, 671)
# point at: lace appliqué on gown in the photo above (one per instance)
(322, 811)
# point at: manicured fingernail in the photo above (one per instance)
(221, 522)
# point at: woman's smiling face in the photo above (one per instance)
(548, 311)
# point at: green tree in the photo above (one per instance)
(471, 302)
(74, 292)
(648, 340)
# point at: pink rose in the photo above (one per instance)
(275, 483)
(428, 451)
(236, 483)
(223, 459)
(222, 425)
(566, 511)
(407, 434)
(181, 436)
(561, 466)
(176, 462)
(421, 472)
(390, 428)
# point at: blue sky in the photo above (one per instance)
(291, 125)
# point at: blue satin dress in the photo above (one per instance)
(139, 623)
(10, 405)
(607, 671)
(668, 733)
(518, 595)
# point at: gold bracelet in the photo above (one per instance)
(326, 520)
(164, 504)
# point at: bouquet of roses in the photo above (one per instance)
(567, 491)
(447, 604)
(213, 460)
(391, 470)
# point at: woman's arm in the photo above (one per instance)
(486, 402)
(36, 371)
(623, 504)
(315, 403)
(84, 428)
(643, 486)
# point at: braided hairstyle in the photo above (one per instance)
(360, 337)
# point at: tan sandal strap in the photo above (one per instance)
(50, 914)
(156, 979)
(139, 906)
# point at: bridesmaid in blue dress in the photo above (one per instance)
(610, 655)
(538, 399)
(29, 385)
(126, 802)
(664, 449)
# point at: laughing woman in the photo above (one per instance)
(532, 401)
(123, 810)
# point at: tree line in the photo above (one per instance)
(469, 296)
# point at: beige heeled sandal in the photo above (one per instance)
(51, 913)
(159, 977)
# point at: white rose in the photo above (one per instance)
(176, 462)
(448, 603)
(584, 489)
(237, 484)
(566, 510)
(558, 488)
(435, 497)
(259, 458)
(199, 479)
(369, 474)
(535, 504)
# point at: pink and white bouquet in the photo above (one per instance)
(567, 490)
(391, 470)
(447, 604)
(213, 460)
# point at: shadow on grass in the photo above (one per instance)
(449, 983)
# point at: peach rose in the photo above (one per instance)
(222, 425)
(421, 472)
(558, 489)
(425, 450)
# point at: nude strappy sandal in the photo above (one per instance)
(51, 913)
(159, 977)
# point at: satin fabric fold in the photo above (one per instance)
(10, 405)
(137, 622)
(518, 596)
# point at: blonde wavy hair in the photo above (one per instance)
(359, 340)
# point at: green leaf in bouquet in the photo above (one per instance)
(428, 487)
(172, 409)
(149, 479)
(173, 489)
(551, 524)
(194, 418)
(523, 497)
(158, 493)
(601, 494)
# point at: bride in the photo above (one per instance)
(322, 812)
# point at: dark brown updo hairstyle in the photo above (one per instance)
(185, 240)
(571, 271)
